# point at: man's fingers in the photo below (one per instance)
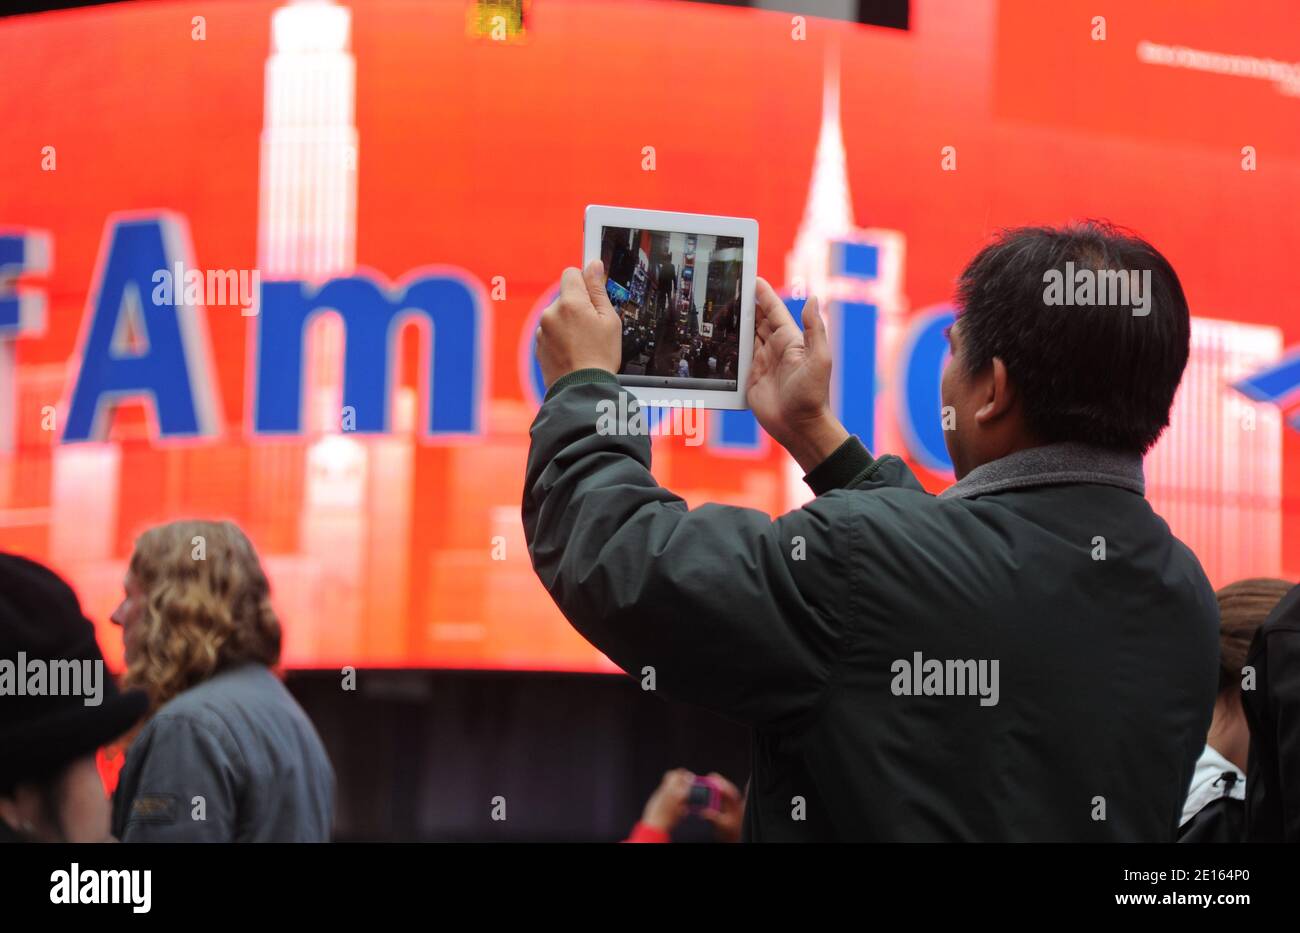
(770, 306)
(573, 288)
(551, 313)
(594, 277)
(814, 329)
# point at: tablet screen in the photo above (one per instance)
(678, 295)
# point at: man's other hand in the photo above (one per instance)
(580, 329)
(789, 386)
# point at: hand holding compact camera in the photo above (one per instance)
(711, 797)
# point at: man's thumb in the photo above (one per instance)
(814, 329)
(594, 276)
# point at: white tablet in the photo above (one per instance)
(683, 285)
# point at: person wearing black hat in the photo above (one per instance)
(50, 789)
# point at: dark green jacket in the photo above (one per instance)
(1049, 562)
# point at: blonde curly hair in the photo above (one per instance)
(207, 607)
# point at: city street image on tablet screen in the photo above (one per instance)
(679, 297)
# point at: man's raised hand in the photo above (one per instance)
(789, 388)
(580, 329)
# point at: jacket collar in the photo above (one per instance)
(1050, 465)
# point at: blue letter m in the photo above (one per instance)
(372, 318)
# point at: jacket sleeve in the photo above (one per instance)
(718, 606)
(850, 466)
(182, 786)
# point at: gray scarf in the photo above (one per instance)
(1051, 465)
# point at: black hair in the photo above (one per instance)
(1098, 370)
(41, 778)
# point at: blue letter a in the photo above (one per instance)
(168, 362)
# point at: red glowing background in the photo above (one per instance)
(482, 155)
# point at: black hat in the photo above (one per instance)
(41, 624)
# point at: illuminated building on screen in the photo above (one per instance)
(1216, 473)
(858, 274)
(308, 214)
(352, 581)
(351, 493)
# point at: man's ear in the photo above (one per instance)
(997, 394)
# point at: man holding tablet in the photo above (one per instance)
(1030, 655)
